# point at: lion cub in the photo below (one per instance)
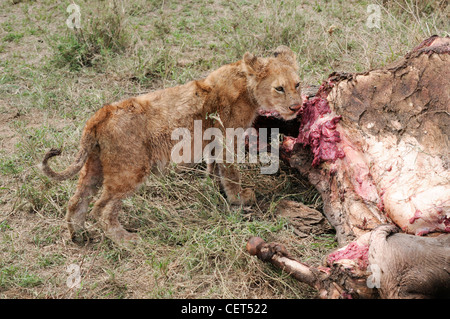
(124, 141)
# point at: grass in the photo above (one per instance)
(53, 78)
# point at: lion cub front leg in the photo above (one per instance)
(230, 180)
(212, 170)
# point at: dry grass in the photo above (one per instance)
(52, 79)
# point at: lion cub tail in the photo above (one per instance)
(87, 144)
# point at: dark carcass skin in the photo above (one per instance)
(376, 147)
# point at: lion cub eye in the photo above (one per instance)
(297, 85)
(279, 89)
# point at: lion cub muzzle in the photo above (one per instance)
(295, 107)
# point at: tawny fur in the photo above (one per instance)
(123, 142)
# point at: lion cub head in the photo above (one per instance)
(274, 82)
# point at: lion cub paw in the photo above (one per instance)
(79, 236)
(122, 237)
(244, 197)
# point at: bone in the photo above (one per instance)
(277, 255)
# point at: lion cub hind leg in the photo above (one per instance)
(230, 180)
(108, 207)
(120, 179)
(90, 180)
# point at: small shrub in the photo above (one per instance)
(102, 32)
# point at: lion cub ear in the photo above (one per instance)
(287, 55)
(254, 65)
